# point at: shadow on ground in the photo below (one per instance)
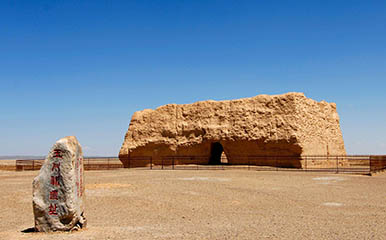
(29, 230)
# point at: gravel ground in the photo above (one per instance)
(216, 204)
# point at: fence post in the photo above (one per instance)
(337, 164)
(305, 163)
(151, 163)
(173, 163)
(162, 163)
(276, 164)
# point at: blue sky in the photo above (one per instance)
(84, 67)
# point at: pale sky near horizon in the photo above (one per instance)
(84, 67)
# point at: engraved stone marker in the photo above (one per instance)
(58, 190)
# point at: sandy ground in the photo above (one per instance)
(230, 204)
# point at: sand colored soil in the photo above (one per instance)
(230, 204)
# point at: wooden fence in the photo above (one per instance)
(94, 163)
(362, 164)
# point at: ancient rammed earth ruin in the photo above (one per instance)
(248, 129)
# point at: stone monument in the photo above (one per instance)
(58, 190)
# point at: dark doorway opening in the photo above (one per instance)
(215, 153)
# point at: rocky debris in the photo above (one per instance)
(279, 125)
(58, 190)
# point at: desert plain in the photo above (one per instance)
(210, 204)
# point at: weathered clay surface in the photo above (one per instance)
(278, 125)
(58, 190)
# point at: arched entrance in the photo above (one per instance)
(216, 153)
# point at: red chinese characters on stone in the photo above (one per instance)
(52, 209)
(79, 179)
(58, 153)
(55, 166)
(55, 180)
(54, 195)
